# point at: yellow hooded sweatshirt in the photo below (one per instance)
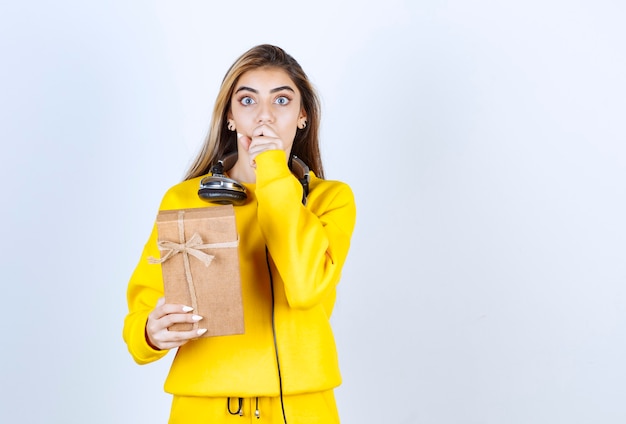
(307, 246)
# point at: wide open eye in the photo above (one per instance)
(282, 100)
(246, 101)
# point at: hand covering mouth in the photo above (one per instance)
(260, 131)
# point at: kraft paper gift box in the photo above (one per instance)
(200, 264)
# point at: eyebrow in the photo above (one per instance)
(273, 90)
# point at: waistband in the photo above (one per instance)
(318, 407)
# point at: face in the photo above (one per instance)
(267, 103)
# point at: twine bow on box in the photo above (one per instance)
(192, 247)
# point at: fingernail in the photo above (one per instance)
(239, 135)
(187, 309)
(196, 317)
(201, 331)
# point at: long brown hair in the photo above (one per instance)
(220, 141)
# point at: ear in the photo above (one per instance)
(302, 119)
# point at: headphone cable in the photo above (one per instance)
(280, 379)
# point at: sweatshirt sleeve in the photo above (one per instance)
(146, 283)
(144, 289)
(308, 244)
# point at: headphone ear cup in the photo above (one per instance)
(221, 196)
(222, 190)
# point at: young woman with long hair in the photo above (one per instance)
(294, 236)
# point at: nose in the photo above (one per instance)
(265, 113)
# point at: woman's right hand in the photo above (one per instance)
(164, 316)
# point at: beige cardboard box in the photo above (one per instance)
(200, 264)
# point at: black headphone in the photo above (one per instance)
(218, 188)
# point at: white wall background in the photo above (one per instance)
(485, 142)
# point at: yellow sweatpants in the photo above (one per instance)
(309, 408)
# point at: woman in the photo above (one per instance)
(291, 248)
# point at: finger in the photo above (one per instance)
(165, 335)
(178, 336)
(256, 147)
(173, 339)
(163, 309)
(244, 141)
(264, 131)
(158, 332)
(164, 315)
(264, 134)
(257, 150)
(170, 319)
(263, 144)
